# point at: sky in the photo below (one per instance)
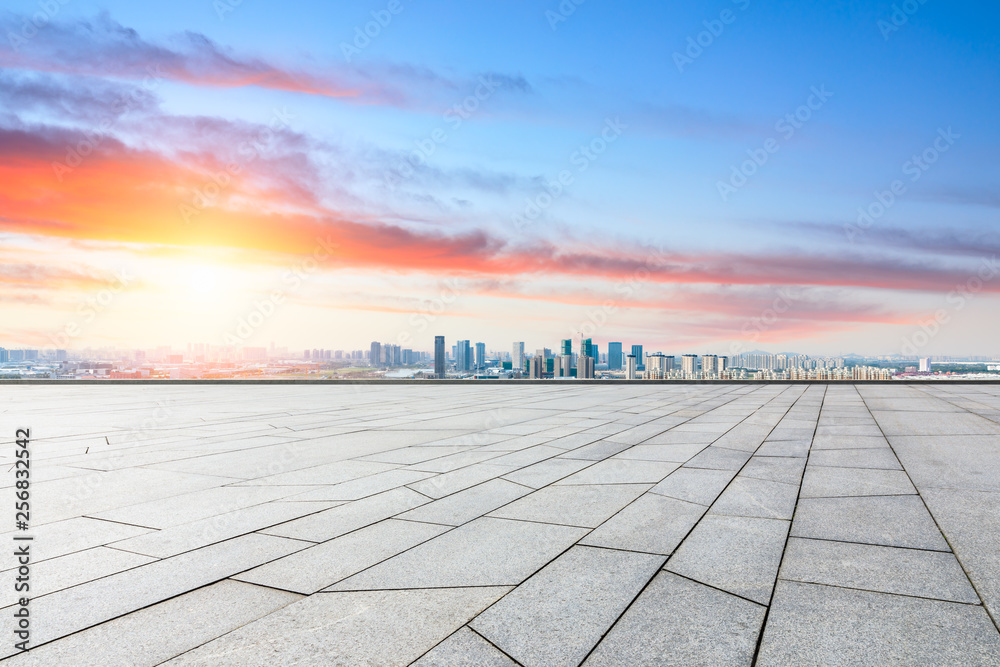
(711, 177)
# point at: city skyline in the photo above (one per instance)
(492, 349)
(230, 173)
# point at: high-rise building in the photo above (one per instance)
(689, 364)
(639, 360)
(585, 368)
(439, 356)
(4, 356)
(536, 366)
(631, 370)
(586, 347)
(565, 366)
(925, 365)
(517, 357)
(463, 356)
(375, 358)
(480, 356)
(566, 347)
(614, 356)
(709, 365)
(656, 367)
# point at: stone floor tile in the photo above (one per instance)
(971, 520)
(736, 554)
(596, 451)
(674, 453)
(676, 621)
(746, 438)
(673, 437)
(893, 422)
(72, 569)
(638, 434)
(928, 574)
(73, 609)
(576, 440)
(970, 462)
(868, 428)
(448, 483)
(787, 469)
(557, 616)
(189, 536)
(464, 648)
(342, 519)
(485, 552)
(526, 457)
(798, 448)
(844, 441)
(748, 496)
(469, 504)
(65, 537)
(622, 471)
(545, 473)
(149, 636)
(384, 628)
(456, 461)
(652, 524)
(826, 625)
(72, 497)
(586, 506)
(695, 485)
(717, 458)
(326, 474)
(176, 510)
(325, 564)
(829, 482)
(892, 521)
(414, 454)
(881, 458)
(364, 487)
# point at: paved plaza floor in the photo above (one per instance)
(503, 524)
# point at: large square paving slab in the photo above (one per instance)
(511, 523)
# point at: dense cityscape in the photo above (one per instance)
(465, 360)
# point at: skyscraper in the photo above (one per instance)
(566, 347)
(536, 366)
(709, 365)
(689, 364)
(630, 367)
(375, 359)
(480, 355)
(565, 366)
(614, 356)
(463, 356)
(656, 367)
(439, 356)
(640, 361)
(517, 358)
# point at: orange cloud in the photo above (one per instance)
(140, 196)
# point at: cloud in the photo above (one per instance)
(61, 98)
(102, 47)
(23, 276)
(955, 242)
(140, 196)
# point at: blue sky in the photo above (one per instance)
(889, 91)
